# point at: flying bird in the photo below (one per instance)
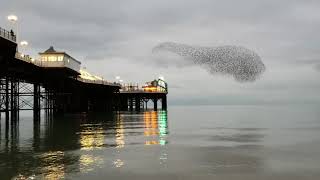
(243, 64)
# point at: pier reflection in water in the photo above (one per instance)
(78, 144)
(238, 142)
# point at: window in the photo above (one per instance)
(44, 58)
(60, 58)
(52, 58)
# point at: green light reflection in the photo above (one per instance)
(163, 127)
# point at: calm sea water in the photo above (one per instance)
(208, 142)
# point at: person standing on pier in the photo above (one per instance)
(11, 32)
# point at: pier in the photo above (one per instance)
(56, 84)
(134, 98)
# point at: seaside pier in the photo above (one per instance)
(56, 84)
(134, 98)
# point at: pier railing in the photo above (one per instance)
(8, 35)
(141, 91)
(27, 58)
(134, 88)
(102, 82)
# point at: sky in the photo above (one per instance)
(115, 38)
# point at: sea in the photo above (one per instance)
(183, 142)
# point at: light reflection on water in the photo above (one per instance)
(89, 162)
(120, 133)
(91, 137)
(53, 166)
(155, 126)
(239, 142)
(75, 143)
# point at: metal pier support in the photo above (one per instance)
(137, 103)
(146, 102)
(131, 104)
(7, 99)
(14, 100)
(155, 104)
(164, 103)
(36, 101)
(124, 104)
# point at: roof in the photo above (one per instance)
(51, 50)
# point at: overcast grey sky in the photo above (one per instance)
(116, 38)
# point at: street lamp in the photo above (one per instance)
(14, 19)
(118, 79)
(24, 43)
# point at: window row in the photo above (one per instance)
(52, 58)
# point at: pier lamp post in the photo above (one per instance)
(120, 82)
(14, 20)
(23, 45)
(117, 79)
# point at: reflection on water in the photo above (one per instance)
(163, 126)
(204, 143)
(120, 133)
(76, 143)
(155, 126)
(88, 162)
(91, 137)
(52, 165)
